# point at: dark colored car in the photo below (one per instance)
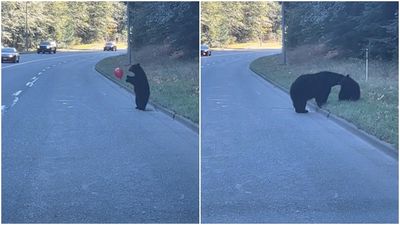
(205, 51)
(110, 46)
(47, 46)
(9, 55)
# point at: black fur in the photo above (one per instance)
(317, 85)
(141, 86)
(349, 89)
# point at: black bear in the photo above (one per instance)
(141, 86)
(308, 86)
(349, 89)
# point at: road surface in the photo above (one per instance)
(264, 163)
(74, 149)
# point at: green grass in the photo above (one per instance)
(95, 46)
(377, 110)
(173, 83)
(253, 45)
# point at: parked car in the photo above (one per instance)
(9, 55)
(47, 46)
(110, 46)
(205, 51)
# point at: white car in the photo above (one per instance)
(9, 55)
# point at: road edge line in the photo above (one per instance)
(383, 146)
(181, 119)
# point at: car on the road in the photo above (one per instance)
(9, 55)
(47, 46)
(110, 46)
(205, 50)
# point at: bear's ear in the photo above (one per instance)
(348, 75)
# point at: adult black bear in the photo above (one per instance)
(141, 86)
(349, 89)
(317, 85)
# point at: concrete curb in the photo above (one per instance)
(188, 123)
(374, 141)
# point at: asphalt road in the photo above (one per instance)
(263, 163)
(75, 149)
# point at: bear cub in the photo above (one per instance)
(318, 86)
(141, 86)
(308, 86)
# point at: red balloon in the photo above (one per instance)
(118, 72)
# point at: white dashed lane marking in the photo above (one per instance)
(16, 98)
(17, 93)
(14, 101)
(31, 83)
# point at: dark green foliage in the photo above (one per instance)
(184, 28)
(65, 22)
(346, 27)
(228, 22)
(172, 24)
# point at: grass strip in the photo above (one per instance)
(255, 45)
(96, 46)
(251, 45)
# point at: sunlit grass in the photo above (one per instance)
(377, 110)
(96, 46)
(254, 45)
(173, 83)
